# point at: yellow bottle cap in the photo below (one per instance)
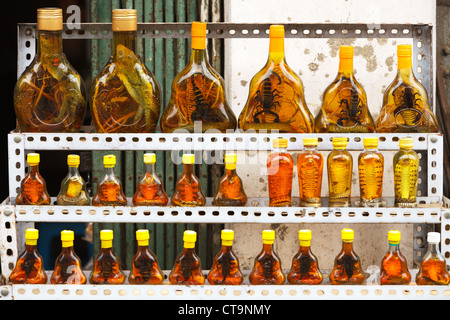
(50, 19)
(230, 161)
(33, 159)
(305, 237)
(31, 236)
(310, 141)
(347, 235)
(268, 236)
(394, 237)
(73, 160)
(346, 52)
(280, 143)
(276, 31)
(109, 160)
(142, 237)
(198, 35)
(106, 237)
(227, 237)
(189, 238)
(406, 143)
(370, 142)
(124, 20)
(339, 143)
(404, 50)
(149, 158)
(188, 158)
(67, 237)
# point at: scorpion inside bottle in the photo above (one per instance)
(188, 190)
(370, 167)
(33, 188)
(109, 188)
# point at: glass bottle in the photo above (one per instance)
(280, 166)
(309, 170)
(68, 269)
(433, 269)
(125, 95)
(225, 269)
(340, 169)
(50, 95)
(267, 267)
(150, 191)
(107, 268)
(406, 174)
(187, 268)
(29, 266)
(231, 189)
(347, 265)
(276, 100)
(344, 105)
(198, 93)
(33, 188)
(109, 188)
(145, 267)
(405, 101)
(188, 190)
(394, 267)
(73, 188)
(370, 167)
(305, 266)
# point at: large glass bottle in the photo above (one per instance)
(145, 267)
(150, 190)
(29, 266)
(68, 269)
(433, 269)
(187, 268)
(347, 265)
(344, 105)
(267, 268)
(188, 190)
(394, 267)
(340, 169)
(225, 269)
(305, 266)
(125, 95)
(406, 174)
(405, 101)
(50, 95)
(370, 167)
(198, 93)
(33, 188)
(276, 100)
(280, 166)
(73, 188)
(309, 170)
(109, 188)
(231, 189)
(106, 268)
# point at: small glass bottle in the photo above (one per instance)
(33, 188)
(309, 170)
(231, 189)
(433, 269)
(188, 190)
(29, 266)
(68, 268)
(305, 266)
(145, 267)
(347, 265)
(107, 268)
(370, 167)
(225, 269)
(73, 187)
(150, 190)
(187, 268)
(267, 267)
(109, 188)
(394, 267)
(406, 174)
(280, 166)
(340, 169)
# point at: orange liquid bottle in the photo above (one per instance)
(433, 269)
(339, 167)
(187, 268)
(68, 268)
(30, 266)
(394, 267)
(109, 188)
(107, 268)
(145, 267)
(280, 166)
(225, 269)
(150, 191)
(267, 267)
(188, 191)
(33, 189)
(370, 167)
(231, 190)
(305, 267)
(309, 170)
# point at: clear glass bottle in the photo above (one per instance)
(344, 106)
(405, 101)
(125, 95)
(109, 188)
(309, 170)
(340, 169)
(73, 187)
(280, 166)
(394, 267)
(276, 100)
(68, 268)
(433, 269)
(370, 167)
(50, 95)
(406, 174)
(188, 190)
(33, 188)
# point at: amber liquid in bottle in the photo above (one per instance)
(370, 167)
(309, 170)
(188, 190)
(394, 267)
(73, 188)
(109, 188)
(231, 189)
(225, 268)
(406, 174)
(280, 166)
(150, 191)
(33, 188)
(340, 168)
(433, 269)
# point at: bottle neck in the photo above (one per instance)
(67, 250)
(393, 248)
(30, 247)
(433, 249)
(33, 170)
(226, 247)
(49, 43)
(276, 50)
(347, 247)
(126, 38)
(279, 150)
(109, 171)
(150, 168)
(230, 172)
(73, 171)
(310, 148)
(346, 67)
(199, 57)
(267, 247)
(188, 169)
